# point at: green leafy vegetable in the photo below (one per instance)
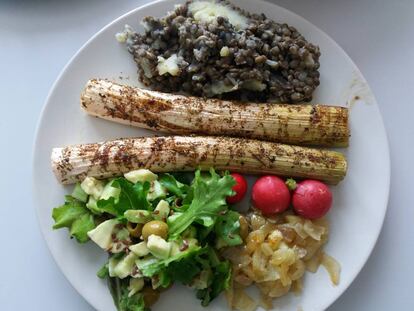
(172, 185)
(219, 276)
(220, 281)
(119, 291)
(201, 217)
(75, 216)
(79, 194)
(154, 266)
(92, 206)
(190, 233)
(108, 206)
(81, 226)
(291, 184)
(132, 196)
(103, 272)
(71, 199)
(183, 177)
(208, 257)
(202, 268)
(162, 279)
(227, 229)
(209, 200)
(133, 303)
(184, 270)
(205, 271)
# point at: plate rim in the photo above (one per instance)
(353, 275)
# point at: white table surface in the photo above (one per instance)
(37, 38)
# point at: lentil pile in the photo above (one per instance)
(214, 49)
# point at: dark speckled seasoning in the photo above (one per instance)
(316, 125)
(187, 153)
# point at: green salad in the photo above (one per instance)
(157, 230)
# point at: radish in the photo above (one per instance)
(312, 199)
(270, 195)
(240, 188)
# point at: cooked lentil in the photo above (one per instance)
(264, 61)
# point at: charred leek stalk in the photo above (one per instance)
(186, 153)
(291, 124)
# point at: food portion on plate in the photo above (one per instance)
(214, 49)
(300, 124)
(276, 253)
(165, 208)
(164, 229)
(187, 153)
(157, 231)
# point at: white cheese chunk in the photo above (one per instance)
(102, 234)
(158, 246)
(140, 249)
(141, 175)
(92, 186)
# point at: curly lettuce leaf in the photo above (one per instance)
(209, 200)
(79, 194)
(76, 217)
(132, 196)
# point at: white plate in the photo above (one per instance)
(360, 201)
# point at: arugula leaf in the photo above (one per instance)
(227, 229)
(136, 198)
(172, 185)
(209, 199)
(74, 216)
(132, 196)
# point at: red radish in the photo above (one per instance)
(240, 188)
(312, 199)
(270, 195)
